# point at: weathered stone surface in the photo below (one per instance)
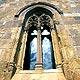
(11, 24)
(41, 75)
(9, 28)
(1, 23)
(2, 53)
(78, 51)
(76, 74)
(6, 35)
(75, 36)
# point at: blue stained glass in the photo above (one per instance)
(33, 51)
(46, 51)
(47, 60)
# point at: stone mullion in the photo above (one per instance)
(39, 48)
(39, 60)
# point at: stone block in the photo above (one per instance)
(75, 35)
(76, 74)
(2, 52)
(77, 51)
(6, 35)
(4, 43)
(11, 24)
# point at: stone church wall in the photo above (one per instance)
(69, 34)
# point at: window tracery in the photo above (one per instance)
(40, 46)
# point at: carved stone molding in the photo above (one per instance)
(39, 21)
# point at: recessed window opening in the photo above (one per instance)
(30, 59)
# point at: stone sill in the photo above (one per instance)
(40, 71)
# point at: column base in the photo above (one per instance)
(39, 66)
(59, 66)
(19, 68)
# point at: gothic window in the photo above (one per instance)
(39, 33)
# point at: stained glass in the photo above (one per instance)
(46, 50)
(33, 51)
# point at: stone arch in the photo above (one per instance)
(43, 4)
(48, 7)
(31, 13)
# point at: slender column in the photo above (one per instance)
(39, 49)
(56, 49)
(22, 52)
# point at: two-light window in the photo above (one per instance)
(30, 60)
